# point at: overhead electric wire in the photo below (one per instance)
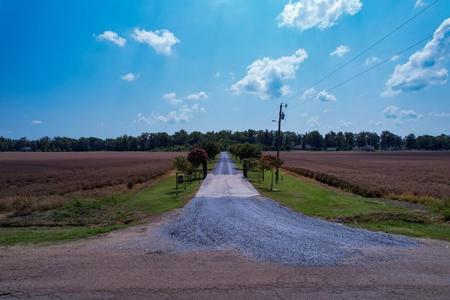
(370, 47)
(382, 62)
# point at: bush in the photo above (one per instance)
(245, 151)
(212, 149)
(446, 214)
(181, 163)
(197, 157)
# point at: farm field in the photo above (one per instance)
(411, 176)
(42, 181)
(52, 197)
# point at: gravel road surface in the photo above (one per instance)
(229, 214)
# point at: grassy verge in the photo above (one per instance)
(83, 218)
(314, 199)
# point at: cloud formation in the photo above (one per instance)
(322, 14)
(180, 115)
(425, 67)
(395, 113)
(344, 124)
(266, 77)
(162, 41)
(419, 3)
(36, 122)
(340, 51)
(197, 96)
(372, 60)
(172, 99)
(312, 94)
(113, 37)
(130, 77)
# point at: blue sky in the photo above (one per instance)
(106, 68)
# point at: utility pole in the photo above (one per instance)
(278, 141)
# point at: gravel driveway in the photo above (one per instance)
(229, 214)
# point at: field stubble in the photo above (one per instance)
(419, 177)
(42, 181)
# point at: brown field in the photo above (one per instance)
(398, 175)
(47, 180)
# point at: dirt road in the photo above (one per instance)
(230, 243)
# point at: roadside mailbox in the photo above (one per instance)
(180, 179)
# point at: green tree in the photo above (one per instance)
(212, 149)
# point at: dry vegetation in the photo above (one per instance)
(40, 181)
(411, 176)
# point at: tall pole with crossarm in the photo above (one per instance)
(278, 141)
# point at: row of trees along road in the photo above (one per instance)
(184, 141)
(250, 155)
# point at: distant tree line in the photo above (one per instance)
(184, 141)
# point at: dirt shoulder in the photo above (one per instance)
(102, 267)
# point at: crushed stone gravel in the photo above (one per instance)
(263, 229)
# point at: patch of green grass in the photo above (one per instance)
(313, 199)
(161, 197)
(26, 236)
(439, 231)
(83, 218)
(212, 164)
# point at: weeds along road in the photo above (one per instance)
(229, 242)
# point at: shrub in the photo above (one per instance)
(197, 157)
(212, 149)
(181, 163)
(245, 151)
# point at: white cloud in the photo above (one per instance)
(324, 96)
(440, 114)
(161, 40)
(371, 60)
(425, 67)
(36, 122)
(309, 94)
(378, 123)
(197, 96)
(419, 3)
(313, 122)
(266, 77)
(312, 94)
(181, 115)
(111, 36)
(395, 57)
(340, 51)
(395, 113)
(391, 112)
(217, 75)
(344, 124)
(130, 77)
(172, 99)
(409, 115)
(322, 14)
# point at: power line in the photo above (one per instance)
(382, 62)
(370, 47)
